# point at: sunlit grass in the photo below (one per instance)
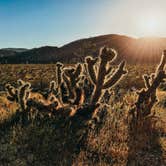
(111, 141)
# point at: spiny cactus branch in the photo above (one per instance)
(71, 94)
(12, 93)
(109, 70)
(59, 73)
(90, 66)
(162, 62)
(147, 97)
(147, 80)
(71, 77)
(116, 76)
(77, 71)
(20, 94)
(98, 78)
(23, 94)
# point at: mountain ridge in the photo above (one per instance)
(133, 50)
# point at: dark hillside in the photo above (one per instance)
(135, 51)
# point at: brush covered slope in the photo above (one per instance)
(135, 51)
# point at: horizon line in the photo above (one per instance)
(78, 39)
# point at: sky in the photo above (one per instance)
(35, 23)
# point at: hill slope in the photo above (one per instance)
(141, 50)
(11, 51)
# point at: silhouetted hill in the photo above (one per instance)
(11, 51)
(141, 50)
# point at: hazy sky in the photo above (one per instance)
(33, 23)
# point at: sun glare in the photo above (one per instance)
(150, 26)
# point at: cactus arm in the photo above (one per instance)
(66, 80)
(152, 77)
(146, 81)
(10, 90)
(71, 77)
(69, 87)
(162, 62)
(108, 54)
(109, 70)
(92, 74)
(116, 76)
(52, 86)
(20, 82)
(59, 73)
(90, 67)
(78, 70)
(160, 74)
(22, 95)
(157, 80)
(11, 93)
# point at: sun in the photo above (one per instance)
(150, 26)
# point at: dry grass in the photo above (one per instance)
(37, 144)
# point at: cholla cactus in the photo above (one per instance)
(71, 77)
(101, 77)
(47, 108)
(23, 94)
(141, 122)
(59, 74)
(12, 93)
(147, 97)
(57, 85)
(20, 94)
(52, 90)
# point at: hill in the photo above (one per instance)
(133, 50)
(11, 51)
